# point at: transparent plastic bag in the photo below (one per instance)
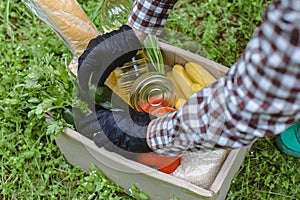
(114, 14)
(201, 168)
(68, 20)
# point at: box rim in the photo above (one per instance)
(181, 52)
(141, 168)
(218, 181)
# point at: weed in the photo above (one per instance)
(34, 79)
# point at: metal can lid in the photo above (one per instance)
(152, 90)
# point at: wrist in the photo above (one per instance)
(148, 134)
(139, 34)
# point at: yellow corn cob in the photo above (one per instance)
(196, 87)
(179, 92)
(199, 74)
(183, 80)
(179, 102)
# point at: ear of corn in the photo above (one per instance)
(179, 92)
(189, 79)
(199, 74)
(180, 102)
(196, 87)
(183, 80)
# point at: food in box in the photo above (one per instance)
(189, 181)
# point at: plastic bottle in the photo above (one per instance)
(114, 14)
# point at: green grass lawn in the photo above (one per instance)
(34, 80)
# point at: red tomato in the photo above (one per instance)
(146, 107)
(168, 169)
(156, 99)
(160, 111)
(156, 106)
(163, 163)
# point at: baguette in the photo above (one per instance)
(68, 20)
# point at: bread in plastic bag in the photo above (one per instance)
(68, 20)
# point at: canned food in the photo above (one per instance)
(142, 87)
(151, 91)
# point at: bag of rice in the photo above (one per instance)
(201, 168)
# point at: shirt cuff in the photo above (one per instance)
(150, 16)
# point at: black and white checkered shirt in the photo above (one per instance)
(259, 96)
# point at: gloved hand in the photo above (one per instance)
(103, 55)
(117, 131)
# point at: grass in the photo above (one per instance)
(34, 80)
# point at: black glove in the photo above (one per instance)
(103, 55)
(117, 131)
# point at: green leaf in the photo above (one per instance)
(33, 100)
(28, 154)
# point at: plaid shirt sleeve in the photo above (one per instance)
(150, 16)
(260, 95)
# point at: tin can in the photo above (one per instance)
(143, 87)
(151, 91)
